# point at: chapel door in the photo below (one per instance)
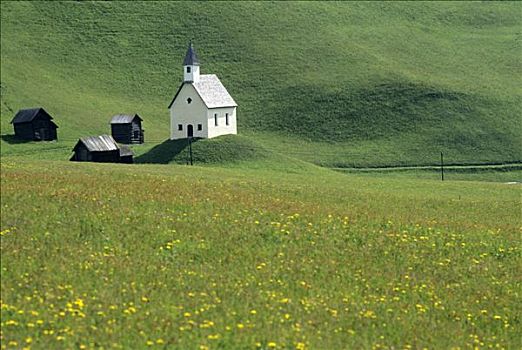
(190, 130)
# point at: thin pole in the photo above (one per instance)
(190, 150)
(442, 166)
(188, 154)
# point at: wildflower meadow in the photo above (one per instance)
(205, 258)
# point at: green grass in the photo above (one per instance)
(223, 150)
(334, 84)
(493, 173)
(131, 256)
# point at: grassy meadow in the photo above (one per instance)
(176, 257)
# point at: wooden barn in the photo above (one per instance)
(126, 154)
(102, 149)
(34, 124)
(127, 128)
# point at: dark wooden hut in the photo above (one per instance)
(127, 128)
(126, 155)
(34, 124)
(101, 148)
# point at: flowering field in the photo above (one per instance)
(175, 257)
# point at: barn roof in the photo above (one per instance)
(125, 151)
(99, 143)
(27, 115)
(190, 58)
(211, 91)
(124, 118)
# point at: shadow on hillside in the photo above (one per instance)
(13, 140)
(384, 110)
(166, 152)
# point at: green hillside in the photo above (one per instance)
(335, 84)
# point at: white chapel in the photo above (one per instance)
(201, 107)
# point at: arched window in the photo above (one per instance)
(188, 69)
(226, 118)
(215, 119)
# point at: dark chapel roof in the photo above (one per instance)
(190, 58)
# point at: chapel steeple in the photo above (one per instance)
(190, 66)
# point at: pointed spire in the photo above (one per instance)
(191, 58)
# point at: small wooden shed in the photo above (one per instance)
(102, 149)
(34, 124)
(127, 128)
(126, 154)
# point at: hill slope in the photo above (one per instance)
(335, 84)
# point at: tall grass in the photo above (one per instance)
(119, 256)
